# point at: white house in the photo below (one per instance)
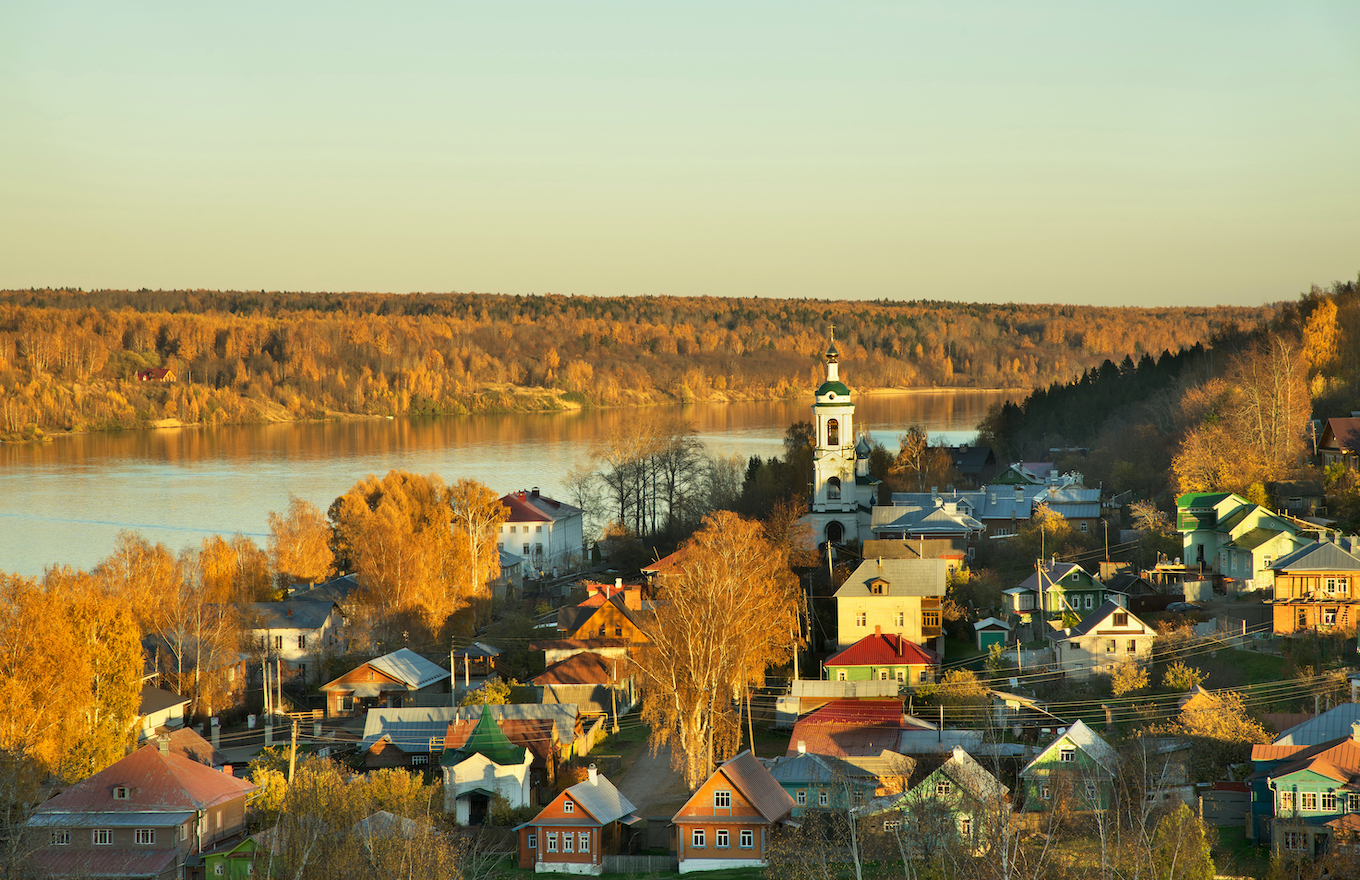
(486, 765)
(1105, 638)
(297, 631)
(546, 534)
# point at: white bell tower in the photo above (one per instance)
(833, 465)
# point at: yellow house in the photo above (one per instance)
(899, 596)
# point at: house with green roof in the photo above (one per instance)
(1078, 768)
(1226, 535)
(486, 765)
(1055, 591)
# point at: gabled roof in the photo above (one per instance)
(992, 623)
(337, 590)
(1337, 759)
(187, 743)
(971, 776)
(1050, 575)
(571, 618)
(669, 564)
(601, 799)
(905, 577)
(535, 734)
(807, 768)
(583, 668)
(844, 728)
(884, 649)
(1088, 741)
(1253, 538)
(410, 668)
(755, 783)
(527, 506)
(156, 699)
(1330, 725)
(1344, 434)
(1095, 619)
(488, 740)
(1318, 556)
(288, 614)
(156, 783)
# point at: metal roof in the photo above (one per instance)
(410, 668)
(289, 614)
(905, 577)
(1088, 741)
(601, 799)
(64, 819)
(1318, 556)
(1328, 726)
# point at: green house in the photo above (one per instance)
(1226, 534)
(233, 861)
(1056, 590)
(1078, 768)
(959, 800)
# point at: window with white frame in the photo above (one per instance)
(302, 643)
(966, 827)
(538, 530)
(278, 643)
(840, 675)
(1308, 801)
(1329, 617)
(1045, 792)
(1067, 754)
(533, 840)
(1329, 802)
(722, 799)
(61, 838)
(944, 788)
(1090, 601)
(1110, 646)
(1353, 803)
(901, 676)
(1091, 791)
(120, 792)
(892, 824)
(822, 799)
(1131, 647)
(801, 797)
(861, 619)
(697, 839)
(102, 837)
(1286, 801)
(568, 841)
(1295, 840)
(900, 618)
(583, 842)
(1084, 525)
(747, 840)
(568, 806)
(417, 760)
(219, 869)
(513, 529)
(552, 841)
(883, 675)
(721, 840)
(144, 836)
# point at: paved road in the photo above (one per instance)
(652, 786)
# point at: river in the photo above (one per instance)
(64, 501)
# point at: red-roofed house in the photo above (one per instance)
(842, 728)
(143, 816)
(729, 821)
(884, 657)
(547, 534)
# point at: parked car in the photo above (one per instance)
(1184, 607)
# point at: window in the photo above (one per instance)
(1131, 647)
(302, 672)
(1045, 792)
(302, 643)
(1303, 618)
(1354, 802)
(1084, 525)
(720, 839)
(219, 820)
(184, 831)
(538, 529)
(552, 841)
(568, 807)
(697, 839)
(103, 837)
(1295, 840)
(219, 869)
(1286, 801)
(120, 792)
(801, 797)
(278, 643)
(1067, 754)
(840, 675)
(861, 619)
(533, 840)
(901, 676)
(882, 675)
(1091, 791)
(722, 800)
(1308, 802)
(568, 841)
(1110, 646)
(833, 432)
(145, 836)
(347, 703)
(583, 840)
(944, 788)
(921, 677)
(1090, 601)
(1329, 802)
(833, 489)
(1025, 601)
(747, 840)
(900, 619)
(513, 529)
(821, 798)
(930, 619)
(618, 632)
(61, 838)
(1121, 618)
(1329, 617)
(526, 550)
(966, 827)
(417, 760)
(876, 588)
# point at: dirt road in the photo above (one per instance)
(653, 787)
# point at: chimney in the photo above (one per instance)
(1355, 731)
(959, 753)
(1019, 493)
(802, 747)
(290, 612)
(618, 583)
(594, 776)
(534, 492)
(163, 743)
(878, 629)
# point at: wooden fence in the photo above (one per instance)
(641, 864)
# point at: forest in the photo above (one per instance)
(70, 359)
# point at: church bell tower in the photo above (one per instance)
(833, 466)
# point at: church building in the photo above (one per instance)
(842, 490)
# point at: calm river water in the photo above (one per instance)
(64, 501)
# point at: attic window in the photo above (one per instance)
(568, 806)
(120, 792)
(1121, 618)
(877, 588)
(1067, 755)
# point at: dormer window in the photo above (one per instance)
(568, 806)
(121, 793)
(878, 587)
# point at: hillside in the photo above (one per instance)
(69, 359)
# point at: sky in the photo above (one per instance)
(1110, 153)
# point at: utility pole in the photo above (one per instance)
(614, 694)
(292, 754)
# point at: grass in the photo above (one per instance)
(957, 649)
(1234, 854)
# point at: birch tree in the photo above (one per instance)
(725, 616)
(299, 543)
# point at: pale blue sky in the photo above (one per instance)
(1133, 153)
